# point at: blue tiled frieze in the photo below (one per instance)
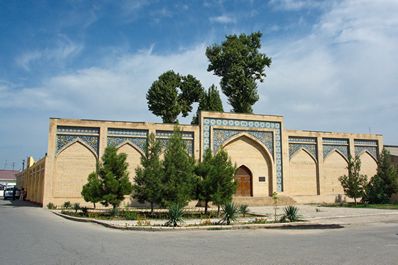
(77, 130)
(252, 128)
(294, 139)
(188, 144)
(366, 142)
(139, 142)
(168, 134)
(127, 132)
(65, 139)
(343, 149)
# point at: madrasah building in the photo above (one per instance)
(302, 166)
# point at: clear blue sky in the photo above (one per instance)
(335, 63)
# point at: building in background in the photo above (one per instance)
(303, 166)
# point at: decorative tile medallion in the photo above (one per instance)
(247, 126)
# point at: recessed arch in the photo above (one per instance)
(80, 141)
(334, 166)
(302, 174)
(367, 152)
(338, 151)
(305, 150)
(246, 150)
(130, 144)
(368, 164)
(133, 159)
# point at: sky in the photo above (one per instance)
(334, 63)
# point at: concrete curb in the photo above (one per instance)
(296, 225)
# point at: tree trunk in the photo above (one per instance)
(151, 208)
(94, 204)
(355, 200)
(206, 205)
(218, 210)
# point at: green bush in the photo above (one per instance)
(51, 206)
(67, 205)
(76, 207)
(84, 211)
(244, 209)
(230, 211)
(130, 215)
(175, 215)
(291, 214)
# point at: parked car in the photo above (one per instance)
(8, 193)
(2, 187)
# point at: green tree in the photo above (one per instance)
(222, 174)
(239, 64)
(354, 184)
(209, 101)
(172, 95)
(178, 177)
(385, 182)
(92, 190)
(113, 175)
(205, 187)
(148, 178)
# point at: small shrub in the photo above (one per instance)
(141, 220)
(115, 212)
(130, 215)
(51, 206)
(67, 205)
(244, 209)
(84, 211)
(291, 214)
(230, 213)
(76, 207)
(258, 220)
(317, 210)
(175, 215)
(206, 222)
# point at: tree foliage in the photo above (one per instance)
(385, 182)
(354, 184)
(92, 190)
(209, 101)
(113, 175)
(148, 178)
(172, 95)
(240, 64)
(178, 177)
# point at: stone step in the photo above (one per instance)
(264, 201)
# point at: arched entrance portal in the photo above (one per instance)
(244, 180)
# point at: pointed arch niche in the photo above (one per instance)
(334, 166)
(73, 165)
(303, 173)
(133, 157)
(368, 164)
(245, 150)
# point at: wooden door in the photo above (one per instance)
(243, 178)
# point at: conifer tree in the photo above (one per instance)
(178, 177)
(113, 175)
(385, 182)
(148, 178)
(205, 187)
(92, 189)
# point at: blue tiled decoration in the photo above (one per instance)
(343, 149)
(371, 149)
(295, 139)
(188, 144)
(127, 132)
(77, 130)
(365, 142)
(168, 134)
(335, 141)
(222, 135)
(139, 142)
(247, 125)
(295, 147)
(65, 139)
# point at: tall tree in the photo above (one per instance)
(92, 189)
(209, 100)
(113, 175)
(172, 95)
(385, 182)
(205, 187)
(222, 174)
(178, 177)
(240, 64)
(354, 184)
(148, 178)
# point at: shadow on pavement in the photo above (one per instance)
(17, 203)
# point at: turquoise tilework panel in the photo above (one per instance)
(371, 149)
(295, 147)
(65, 139)
(77, 130)
(327, 149)
(248, 125)
(127, 132)
(139, 142)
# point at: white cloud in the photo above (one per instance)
(63, 50)
(296, 5)
(223, 19)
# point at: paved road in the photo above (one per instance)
(31, 235)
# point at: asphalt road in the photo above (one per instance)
(32, 235)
